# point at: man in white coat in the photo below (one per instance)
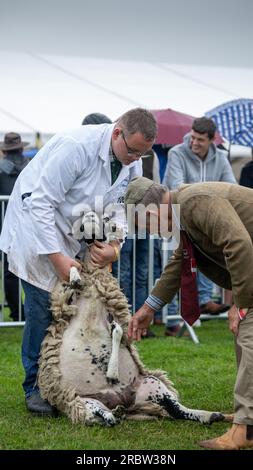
(69, 175)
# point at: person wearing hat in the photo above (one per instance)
(216, 235)
(12, 163)
(71, 175)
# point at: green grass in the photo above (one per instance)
(204, 374)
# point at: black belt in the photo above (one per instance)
(25, 195)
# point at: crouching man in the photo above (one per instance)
(216, 233)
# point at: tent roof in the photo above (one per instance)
(50, 93)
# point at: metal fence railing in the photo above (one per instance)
(4, 320)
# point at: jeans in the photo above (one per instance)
(205, 288)
(38, 318)
(126, 271)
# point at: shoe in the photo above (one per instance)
(150, 334)
(14, 315)
(16, 318)
(172, 330)
(214, 309)
(35, 404)
(240, 436)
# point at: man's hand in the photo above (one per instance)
(139, 323)
(102, 253)
(63, 264)
(234, 319)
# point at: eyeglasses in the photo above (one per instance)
(131, 152)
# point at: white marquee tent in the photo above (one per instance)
(51, 93)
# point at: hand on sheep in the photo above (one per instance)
(63, 264)
(101, 253)
(139, 323)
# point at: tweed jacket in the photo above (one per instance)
(218, 218)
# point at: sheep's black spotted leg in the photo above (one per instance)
(152, 389)
(97, 413)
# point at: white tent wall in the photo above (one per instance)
(61, 60)
(49, 93)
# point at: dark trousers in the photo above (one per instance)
(11, 289)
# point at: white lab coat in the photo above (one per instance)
(64, 178)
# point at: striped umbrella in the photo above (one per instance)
(234, 121)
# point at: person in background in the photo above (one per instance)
(161, 150)
(96, 118)
(11, 165)
(32, 150)
(246, 176)
(172, 327)
(197, 160)
(67, 175)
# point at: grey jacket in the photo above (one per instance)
(184, 166)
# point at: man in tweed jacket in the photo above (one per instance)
(218, 218)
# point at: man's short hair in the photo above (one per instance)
(139, 120)
(204, 125)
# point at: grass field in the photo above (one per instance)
(204, 374)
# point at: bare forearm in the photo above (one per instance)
(54, 257)
(62, 264)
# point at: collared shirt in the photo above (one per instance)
(116, 165)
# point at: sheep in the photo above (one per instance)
(88, 368)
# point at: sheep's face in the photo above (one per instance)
(91, 227)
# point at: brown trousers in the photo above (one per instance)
(243, 391)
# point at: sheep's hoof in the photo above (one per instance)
(76, 284)
(119, 412)
(216, 417)
(110, 421)
(106, 418)
(112, 380)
